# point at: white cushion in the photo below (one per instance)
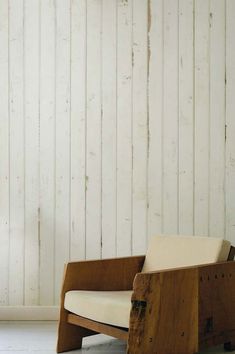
(112, 307)
(165, 252)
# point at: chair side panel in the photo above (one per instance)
(216, 304)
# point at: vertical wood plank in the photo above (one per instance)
(109, 100)
(186, 116)
(78, 130)
(62, 206)
(230, 122)
(4, 153)
(139, 125)
(31, 103)
(93, 159)
(217, 118)
(202, 114)
(47, 151)
(155, 108)
(170, 116)
(16, 106)
(124, 127)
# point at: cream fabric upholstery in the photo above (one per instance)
(164, 252)
(111, 307)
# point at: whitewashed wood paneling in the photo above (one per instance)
(217, 119)
(31, 143)
(230, 122)
(93, 132)
(62, 140)
(201, 117)
(4, 153)
(116, 123)
(16, 153)
(109, 123)
(155, 116)
(139, 125)
(78, 130)
(170, 116)
(47, 153)
(124, 127)
(186, 117)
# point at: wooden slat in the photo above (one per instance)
(78, 130)
(62, 131)
(16, 111)
(202, 114)
(155, 112)
(4, 153)
(186, 116)
(230, 122)
(109, 122)
(98, 327)
(124, 127)
(31, 107)
(170, 118)
(139, 125)
(93, 134)
(47, 151)
(217, 119)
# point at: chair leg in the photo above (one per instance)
(69, 337)
(229, 346)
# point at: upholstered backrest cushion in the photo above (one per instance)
(165, 252)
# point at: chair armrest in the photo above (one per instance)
(105, 274)
(164, 314)
(179, 310)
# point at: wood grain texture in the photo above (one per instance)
(157, 314)
(116, 274)
(98, 327)
(216, 304)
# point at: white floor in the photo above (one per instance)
(40, 338)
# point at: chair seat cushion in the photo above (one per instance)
(112, 307)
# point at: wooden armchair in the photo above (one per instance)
(178, 299)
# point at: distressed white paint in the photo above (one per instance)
(31, 111)
(109, 122)
(112, 129)
(186, 123)
(201, 117)
(124, 127)
(4, 153)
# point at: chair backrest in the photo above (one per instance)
(165, 252)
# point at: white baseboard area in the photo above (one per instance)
(29, 313)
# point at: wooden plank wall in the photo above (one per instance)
(116, 123)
